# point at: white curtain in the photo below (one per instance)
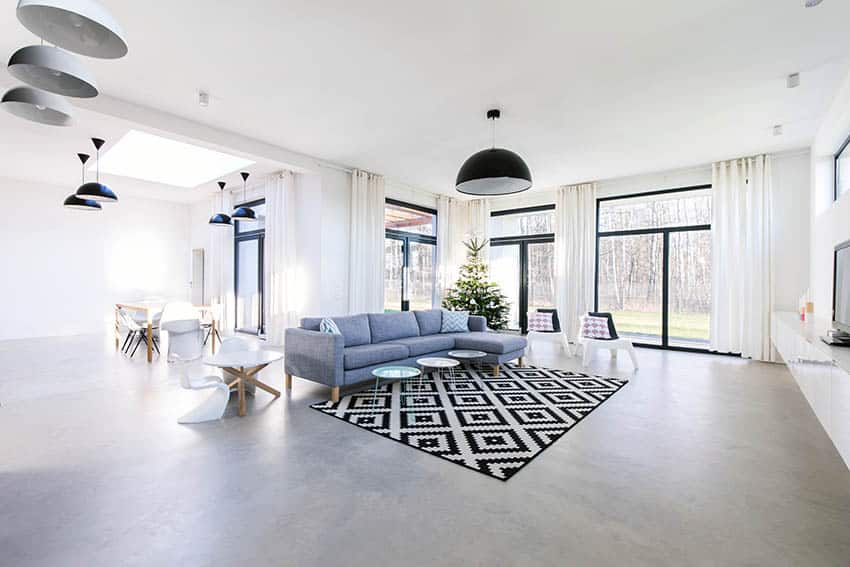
(366, 237)
(457, 222)
(220, 290)
(575, 253)
(281, 269)
(741, 274)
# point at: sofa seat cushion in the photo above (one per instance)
(388, 326)
(366, 355)
(425, 345)
(494, 343)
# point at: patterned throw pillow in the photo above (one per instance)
(328, 326)
(455, 321)
(595, 328)
(541, 322)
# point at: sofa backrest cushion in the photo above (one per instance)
(354, 328)
(389, 326)
(430, 321)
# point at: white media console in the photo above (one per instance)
(822, 372)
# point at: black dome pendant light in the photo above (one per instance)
(244, 213)
(96, 190)
(74, 202)
(494, 171)
(221, 219)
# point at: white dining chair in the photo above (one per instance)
(185, 337)
(137, 326)
(194, 377)
(591, 344)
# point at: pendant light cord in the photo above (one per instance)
(494, 132)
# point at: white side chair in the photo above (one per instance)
(591, 345)
(557, 335)
(182, 322)
(212, 408)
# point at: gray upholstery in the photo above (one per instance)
(477, 323)
(424, 345)
(389, 326)
(364, 355)
(314, 355)
(495, 343)
(333, 359)
(430, 321)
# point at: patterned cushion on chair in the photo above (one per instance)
(595, 328)
(541, 322)
(455, 321)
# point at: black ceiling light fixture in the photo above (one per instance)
(494, 171)
(221, 219)
(244, 213)
(76, 203)
(96, 190)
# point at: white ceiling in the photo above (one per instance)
(589, 90)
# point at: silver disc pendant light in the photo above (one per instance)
(54, 70)
(81, 26)
(76, 203)
(38, 106)
(96, 190)
(221, 219)
(495, 171)
(244, 213)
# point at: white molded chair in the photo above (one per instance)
(590, 345)
(185, 338)
(195, 378)
(557, 336)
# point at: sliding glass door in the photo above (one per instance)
(654, 266)
(522, 260)
(410, 256)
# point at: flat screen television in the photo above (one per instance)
(841, 289)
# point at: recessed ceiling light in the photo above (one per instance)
(153, 158)
(777, 130)
(792, 81)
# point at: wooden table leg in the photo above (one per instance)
(265, 387)
(117, 330)
(150, 341)
(240, 387)
(212, 333)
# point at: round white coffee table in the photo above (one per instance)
(468, 357)
(392, 373)
(439, 364)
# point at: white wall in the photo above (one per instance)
(830, 220)
(63, 269)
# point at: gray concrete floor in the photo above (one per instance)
(700, 460)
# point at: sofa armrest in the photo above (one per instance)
(477, 323)
(314, 355)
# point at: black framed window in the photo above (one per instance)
(842, 169)
(522, 259)
(410, 261)
(653, 266)
(249, 269)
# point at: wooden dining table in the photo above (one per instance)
(151, 308)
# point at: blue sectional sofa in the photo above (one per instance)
(368, 341)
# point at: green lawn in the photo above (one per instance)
(682, 325)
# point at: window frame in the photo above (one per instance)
(844, 146)
(242, 236)
(523, 241)
(406, 238)
(665, 263)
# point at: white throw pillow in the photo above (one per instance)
(328, 326)
(455, 321)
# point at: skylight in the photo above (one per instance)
(152, 158)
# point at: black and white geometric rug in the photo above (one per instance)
(495, 426)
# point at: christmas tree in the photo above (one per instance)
(474, 292)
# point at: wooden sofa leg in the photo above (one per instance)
(496, 370)
(522, 361)
(335, 394)
(287, 381)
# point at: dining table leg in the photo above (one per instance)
(150, 340)
(117, 330)
(240, 387)
(212, 334)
